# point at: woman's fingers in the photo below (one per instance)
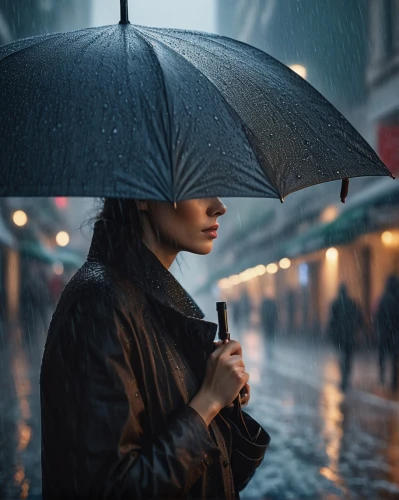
(246, 391)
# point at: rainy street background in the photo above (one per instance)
(333, 420)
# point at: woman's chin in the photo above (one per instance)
(201, 248)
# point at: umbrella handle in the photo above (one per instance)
(224, 334)
(124, 12)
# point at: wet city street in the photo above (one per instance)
(325, 445)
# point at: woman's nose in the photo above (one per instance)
(217, 208)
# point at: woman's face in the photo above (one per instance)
(191, 226)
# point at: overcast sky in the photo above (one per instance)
(186, 14)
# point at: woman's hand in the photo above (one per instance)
(246, 395)
(225, 376)
(246, 390)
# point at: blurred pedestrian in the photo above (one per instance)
(387, 326)
(234, 306)
(291, 311)
(56, 286)
(34, 298)
(269, 321)
(345, 321)
(245, 310)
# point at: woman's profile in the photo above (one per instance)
(136, 397)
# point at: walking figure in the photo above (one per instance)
(269, 320)
(345, 320)
(387, 325)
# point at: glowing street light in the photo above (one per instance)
(62, 239)
(332, 254)
(272, 268)
(285, 263)
(58, 268)
(299, 70)
(19, 218)
(387, 237)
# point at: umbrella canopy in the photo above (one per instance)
(138, 112)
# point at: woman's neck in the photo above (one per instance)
(165, 252)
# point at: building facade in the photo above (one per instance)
(29, 250)
(315, 244)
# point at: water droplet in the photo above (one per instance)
(115, 131)
(299, 176)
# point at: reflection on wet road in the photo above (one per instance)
(325, 445)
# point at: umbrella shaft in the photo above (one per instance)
(124, 12)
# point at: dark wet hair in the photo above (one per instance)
(122, 210)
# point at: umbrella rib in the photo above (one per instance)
(217, 39)
(142, 36)
(232, 111)
(23, 49)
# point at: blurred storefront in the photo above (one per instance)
(300, 254)
(23, 19)
(383, 80)
(36, 244)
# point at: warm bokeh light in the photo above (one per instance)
(332, 254)
(260, 270)
(272, 268)
(387, 237)
(62, 238)
(58, 268)
(61, 202)
(19, 218)
(329, 214)
(285, 263)
(299, 70)
(236, 279)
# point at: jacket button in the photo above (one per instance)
(226, 463)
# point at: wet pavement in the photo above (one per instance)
(325, 444)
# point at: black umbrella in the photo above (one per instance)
(164, 114)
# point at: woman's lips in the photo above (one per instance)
(211, 233)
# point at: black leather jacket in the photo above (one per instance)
(125, 354)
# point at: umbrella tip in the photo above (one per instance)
(124, 12)
(344, 189)
(281, 199)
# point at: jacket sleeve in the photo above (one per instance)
(115, 458)
(249, 444)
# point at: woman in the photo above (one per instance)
(135, 395)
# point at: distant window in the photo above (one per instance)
(389, 19)
(388, 142)
(303, 274)
(5, 32)
(46, 5)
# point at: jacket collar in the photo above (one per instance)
(113, 245)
